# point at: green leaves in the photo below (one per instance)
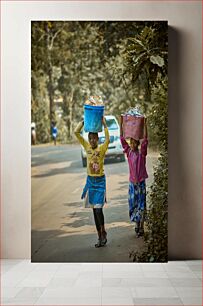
(156, 238)
(146, 56)
(125, 62)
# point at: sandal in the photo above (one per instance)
(98, 244)
(141, 232)
(104, 240)
(137, 229)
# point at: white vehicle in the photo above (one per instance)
(115, 149)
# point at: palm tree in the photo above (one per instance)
(146, 56)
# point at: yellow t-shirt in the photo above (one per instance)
(95, 157)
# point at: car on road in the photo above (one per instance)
(115, 149)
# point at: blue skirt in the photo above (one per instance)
(95, 189)
(137, 201)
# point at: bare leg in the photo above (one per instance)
(98, 227)
(137, 228)
(103, 235)
(99, 220)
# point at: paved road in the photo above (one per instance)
(62, 229)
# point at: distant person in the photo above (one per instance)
(94, 191)
(33, 133)
(138, 174)
(54, 132)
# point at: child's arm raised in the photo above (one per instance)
(107, 139)
(124, 143)
(145, 128)
(121, 125)
(77, 131)
(144, 143)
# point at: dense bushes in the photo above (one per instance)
(156, 236)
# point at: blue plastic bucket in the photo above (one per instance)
(93, 118)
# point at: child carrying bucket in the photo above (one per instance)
(138, 174)
(94, 191)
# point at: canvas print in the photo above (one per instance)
(99, 141)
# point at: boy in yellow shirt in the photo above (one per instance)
(95, 188)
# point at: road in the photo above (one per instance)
(62, 229)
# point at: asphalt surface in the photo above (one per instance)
(62, 229)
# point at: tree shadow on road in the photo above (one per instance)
(123, 186)
(74, 167)
(74, 240)
(60, 246)
(117, 211)
(73, 204)
(119, 197)
(47, 155)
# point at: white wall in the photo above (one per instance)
(184, 18)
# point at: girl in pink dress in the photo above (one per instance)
(137, 175)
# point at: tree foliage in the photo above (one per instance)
(78, 58)
(146, 57)
(146, 61)
(156, 236)
(39, 106)
(124, 62)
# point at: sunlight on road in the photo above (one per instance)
(62, 229)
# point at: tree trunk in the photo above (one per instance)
(50, 76)
(51, 98)
(71, 115)
(66, 113)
